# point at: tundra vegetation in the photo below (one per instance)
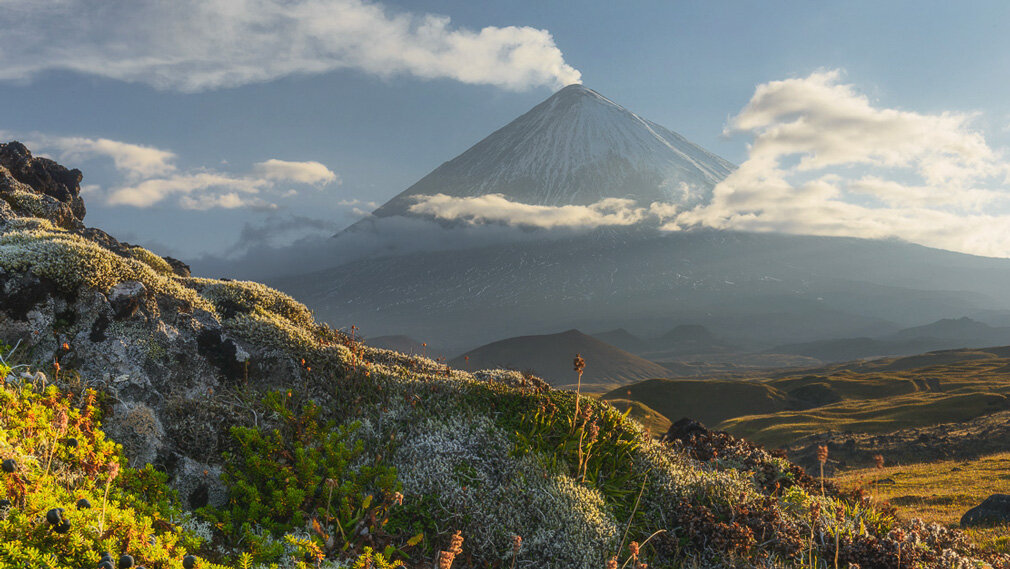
(154, 419)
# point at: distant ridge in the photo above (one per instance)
(550, 357)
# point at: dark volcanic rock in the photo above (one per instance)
(994, 510)
(684, 430)
(127, 298)
(44, 176)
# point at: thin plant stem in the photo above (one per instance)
(627, 527)
(654, 534)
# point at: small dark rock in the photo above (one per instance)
(200, 497)
(98, 328)
(10, 465)
(994, 510)
(126, 298)
(63, 527)
(72, 443)
(106, 564)
(125, 562)
(188, 562)
(83, 504)
(684, 430)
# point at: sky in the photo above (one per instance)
(201, 126)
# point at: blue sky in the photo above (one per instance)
(376, 124)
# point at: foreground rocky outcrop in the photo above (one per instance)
(201, 377)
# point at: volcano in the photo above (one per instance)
(575, 148)
(755, 290)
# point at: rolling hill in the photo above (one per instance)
(876, 397)
(550, 356)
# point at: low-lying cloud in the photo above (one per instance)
(824, 160)
(150, 175)
(198, 45)
(496, 208)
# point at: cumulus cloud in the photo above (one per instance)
(497, 208)
(135, 160)
(826, 161)
(197, 45)
(151, 176)
(303, 172)
(150, 192)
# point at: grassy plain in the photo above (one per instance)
(878, 396)
(940, 492)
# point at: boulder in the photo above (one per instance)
(684, 430)
(994, 510)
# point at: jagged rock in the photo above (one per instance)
(994, 510)
(180, 268)
(126, 298)
(43, 177)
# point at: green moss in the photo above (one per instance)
(156, 263)
(74, 262)
(27, 203)
(236, 298)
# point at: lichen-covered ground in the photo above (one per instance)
(293, 444)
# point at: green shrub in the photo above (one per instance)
(60, 456)
(305, 473)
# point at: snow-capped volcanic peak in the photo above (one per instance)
(576, 148)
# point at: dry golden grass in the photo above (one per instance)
(940, 492)
(877, 396)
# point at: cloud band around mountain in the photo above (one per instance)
(198, 45)
(824, 160)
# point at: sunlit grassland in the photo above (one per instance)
(940, 492)
(876, 396)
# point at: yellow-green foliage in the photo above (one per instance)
(61, 457)
(74, 261)
(940, 492)
(29, 203)
(251, 297)
(159, 265)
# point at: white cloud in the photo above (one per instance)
(497, 208)
(826, 161)
(133, 159)
(150, 192)
(230, 200)
(196, 45)
(150, 175)
(302, 172)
